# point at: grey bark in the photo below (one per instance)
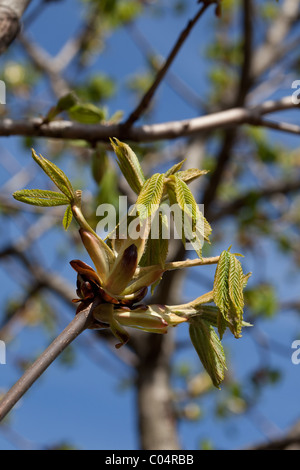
(157, 420)
(11, 12)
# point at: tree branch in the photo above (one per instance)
(11, 12)
(181, 88)
(136, 114)
(282, 187)
(47, 64)
(238, 100)
(75, 327)
(245, 82)
(273, 48)
(153, 132)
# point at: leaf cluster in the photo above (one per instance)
(112, 263)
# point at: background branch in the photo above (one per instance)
(144, 103)
(11, 12)
(152, 132)
(77, 326)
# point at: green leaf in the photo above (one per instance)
(67, 217)
(86, 113)
(67, 101)
(209, 349)
(212, 314)
(193, 225)
(229, 283)
(157, 248)
(191, 174)
(174, 169)
(221, 288)
(236, 283)
(129, 165)
(64, 103)
(56, 174)
(150, 196)
(40, 197)
(209, 313)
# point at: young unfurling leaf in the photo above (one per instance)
(193, 226)
(64, 103)
(56, 174)
(40, 197)
(129, 165)
(229, 283)
(209, 349)
(157, 243)
(174, 169)
(150, 196)
(67, 217)
(191, 174)
(221, 288)
(86, 113)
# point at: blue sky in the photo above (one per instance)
(85, 404)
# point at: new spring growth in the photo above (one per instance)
(124, 268)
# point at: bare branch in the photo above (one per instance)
(244, 85)
(148, 133)
(278, 126)
(136, 114)
(273, 48)
(77, 326)
(11, 12)
(46, 64)
(181, 88)
(282, 187)
(237, 100)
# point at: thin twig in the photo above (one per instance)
(181, 88)
(245, 81)
(232, 208)
(44, 62)
(75, 327)
(237, 100)
(273, 49)
(188, 263)
(278, 126)
(143, 105)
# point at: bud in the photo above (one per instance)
(129, 165)
(122, 271)
(96, 252)
(135, 297)
(67, 101)
(119, 332)
(166, 313)
(103, 313)
(151, 275)
(142, 319)
(84, 288)
(87, 273)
